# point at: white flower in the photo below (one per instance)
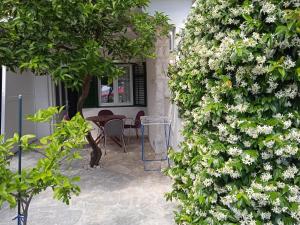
(288, 149)
(271, 19)
(266, 155)
(190, 146)
(247, 144)
(289, 63)
(255, 88)
(261, 59)
(269, 144)
(218, 215)
(222, 129)
(232, 139)
(268, 167)
(207, 182)
(247, 159)
(234, 151)
(265, 215)
(239, 108)
(279, 151)
(268, 8)
(290, 172)
(230, 68)
(235, 174)
(272, 85)
(280, 185)
(227, 200)
(290, 91)
(256, 36)
(265, 129)
(266, 177)
(184, 180)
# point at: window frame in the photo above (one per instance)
(172, 39)
(116, 102)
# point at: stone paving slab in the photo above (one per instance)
(118, 193)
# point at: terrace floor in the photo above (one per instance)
(118, 193)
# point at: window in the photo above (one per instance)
(172, 37)
(128, 90)
(118, 92)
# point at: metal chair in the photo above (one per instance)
(136, 123)
(114, 129)
(104, 112)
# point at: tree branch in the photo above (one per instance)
(65, 47)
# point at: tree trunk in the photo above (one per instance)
(25, 214)
(96, 153)
(26, 208)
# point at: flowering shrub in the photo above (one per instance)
(236, 82)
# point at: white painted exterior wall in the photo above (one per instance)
(44, 98)
(36, 92)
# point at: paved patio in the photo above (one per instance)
(118, 193)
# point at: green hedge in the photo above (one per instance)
(236, 82)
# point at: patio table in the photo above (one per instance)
(99, 121)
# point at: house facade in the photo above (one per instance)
(144, 86)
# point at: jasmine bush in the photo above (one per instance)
(236, 82)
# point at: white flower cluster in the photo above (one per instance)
(290, 172)
(234, 151)
(260, 129)
(287, 151)
(247, 159)
(242, 125)
(291, 91)
(218, 215)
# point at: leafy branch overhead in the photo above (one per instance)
(60, 147)
(70, 39)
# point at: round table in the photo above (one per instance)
(101, 120)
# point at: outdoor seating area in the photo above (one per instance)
(110, 125)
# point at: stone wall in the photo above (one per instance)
(159, 95)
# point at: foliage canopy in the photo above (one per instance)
(75, 40)
(72, 39)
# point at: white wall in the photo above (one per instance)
(43, 88)
(177, 10)
(15, 84)
(35, 92)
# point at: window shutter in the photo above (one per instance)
(140, 84)
(92, 99)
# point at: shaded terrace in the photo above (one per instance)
(119, 192)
